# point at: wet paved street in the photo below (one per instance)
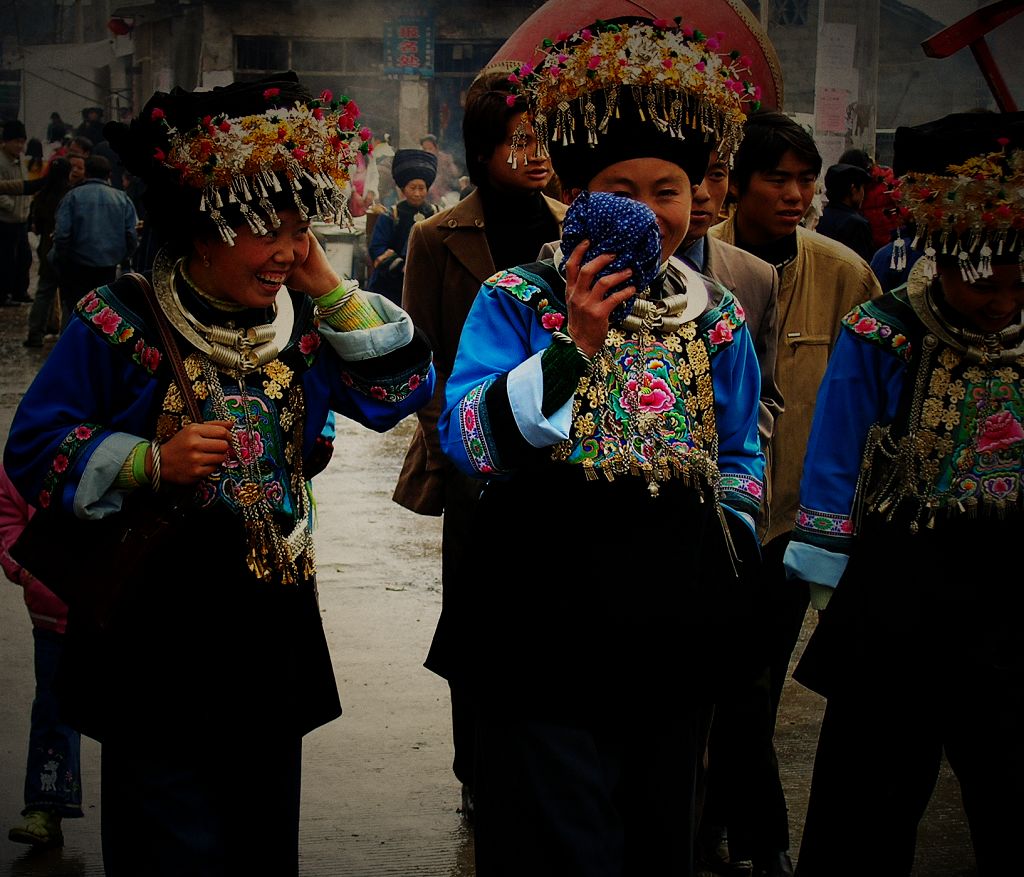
(378, 794)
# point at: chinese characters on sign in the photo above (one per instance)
(409, 47)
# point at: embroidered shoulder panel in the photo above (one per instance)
(880, 322)
(104, 313)
(719, 324)
(532, 291)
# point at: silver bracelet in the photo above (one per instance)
(154, 479)
(323, 313)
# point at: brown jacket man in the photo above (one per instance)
(448, 260)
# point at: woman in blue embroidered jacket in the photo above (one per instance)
(216, 664)
(911, 508)
(610, 399)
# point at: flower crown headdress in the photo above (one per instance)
(242, 160)
(975, 213)
(676, 73)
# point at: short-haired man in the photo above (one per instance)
(753, 281)
(95, 232)
(15, 252)
(772, 181)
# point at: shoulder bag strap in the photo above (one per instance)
(170, 346)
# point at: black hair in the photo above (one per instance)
(48, 197)
(856, 157)
(485, 123)
(767, 136)
(83, 143)
(97, 167)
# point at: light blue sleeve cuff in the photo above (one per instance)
(96, 496)
(360, 344)
(525, 393)
(814, 564)
(743, 516)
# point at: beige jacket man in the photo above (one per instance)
(817, 289)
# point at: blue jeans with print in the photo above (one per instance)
(53, 780)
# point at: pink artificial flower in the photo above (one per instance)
(157, 114)
(159, 154)
(526, 69)
(687, 31)
(1003, 141)
(510, 100)
(300, 153)
(225, 126)
(326, 95)
(562, 58)
(666, 63)
(513, 78)
(365, 134)
(587, 34)
(594, 62)
(700, 66)
(271, 93)
(318, 114)
(663, 23)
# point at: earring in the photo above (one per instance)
(206, 260)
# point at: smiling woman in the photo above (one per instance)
(217, 649)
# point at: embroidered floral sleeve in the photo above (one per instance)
(112, 321)
(871, 323)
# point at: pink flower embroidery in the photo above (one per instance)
(150, 359)
(552, 321)
(82, 433)
(1000, 430)
(346, 379)
(250, 445)
(721, 334)
(60, 463)
(469, 420)
(90, 302)
(1000, 486)
(507, 281)
(865, 326)
(309, 342)
(378, 392)
(107, 320)
(740, 313)
(44, 499)
(414, 382)
(846, 527)
(653, 395)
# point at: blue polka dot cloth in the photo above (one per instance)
(615, 224)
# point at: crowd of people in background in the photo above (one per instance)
(669, 411)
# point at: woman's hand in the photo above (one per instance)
(193, 453)
(314, 276)
(588, 308)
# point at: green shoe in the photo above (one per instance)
(40, 828)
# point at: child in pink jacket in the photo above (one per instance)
(53, 778)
